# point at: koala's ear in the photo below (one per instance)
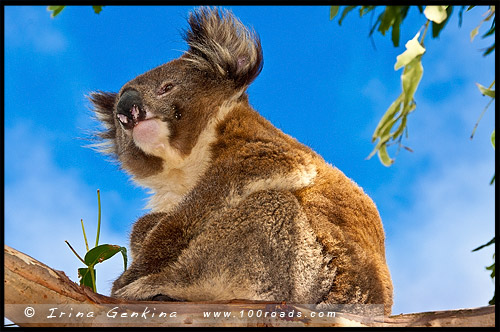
(220, 43)
(103, 106)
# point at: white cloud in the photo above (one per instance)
(44, 205)
(32, 25)
(429, 251)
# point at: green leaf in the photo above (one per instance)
(333, 11)
(492, 180)
(86, 277)
(460, 16)
(384, 156)
(365, 10)
(346, 11)
(492, 241)
(492, 301)
(485, 91)
(377, 22)
(386, 130)
(437, 27)
(55, 10)
(395, 31)
(399, 17)
(476, 29)
(97, 9)
(474, 33)
(101, 253)
(388, 18)
(413, 49)
(412, 74)
(402, 125)
(489, 50)
(404, 11)
(388, 115)
(436, 14)
(469, 8)
(491, 31)
(493, 138)
(123, 250)
(492, 269)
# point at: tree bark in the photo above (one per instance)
(36, 295)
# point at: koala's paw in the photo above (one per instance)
(164, 298)
(137, 290)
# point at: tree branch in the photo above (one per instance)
(32, 284)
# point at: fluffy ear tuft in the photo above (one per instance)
(104, 103)
(220, 43)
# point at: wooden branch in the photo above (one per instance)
(36, 295)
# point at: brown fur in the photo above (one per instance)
(240, 209)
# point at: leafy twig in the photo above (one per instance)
(96, 255)
(84, 236)
(69, 245)
(98, 217)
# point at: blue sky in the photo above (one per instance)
(322, 83)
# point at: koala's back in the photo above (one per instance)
(269, 220)
(239, 209)
(342, 219)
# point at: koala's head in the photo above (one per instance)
(155, 120)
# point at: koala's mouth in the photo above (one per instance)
(130, 118)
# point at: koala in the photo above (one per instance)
(239, 209)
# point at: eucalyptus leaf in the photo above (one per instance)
(493, 138)
(412, 74)
(401, 127)
(485, 91)
(437, 27)
(386, 131)
(491, 31)
(333, 11)
(97, 9)
(474, 33)
(101, 253)
(123, 250)
(389, 114)
(489, 50)
(492, 269)
(395, 31)
(436, 14)
(413, 49)
(384, 156)
(377, 22)
(492, 241)
(86, 277)
(365, 10)
(460, 16)
(346, 11)
(55, 10)
(388, 18)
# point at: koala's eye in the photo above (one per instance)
(164, 89)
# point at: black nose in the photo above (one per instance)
(129, 109)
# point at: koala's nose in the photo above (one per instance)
(129, 109)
